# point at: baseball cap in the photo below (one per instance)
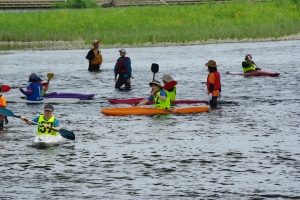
(49, 107)
(249, 55)
(122, 50)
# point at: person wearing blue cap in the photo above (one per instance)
(123, 69)
(34, 88)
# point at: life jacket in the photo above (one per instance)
(41, 130)
(36, 95)
(2, 103)
(217, 83)
(158, 103)
(98, 56)
(171, 93)
(250, 68)
(121, 65)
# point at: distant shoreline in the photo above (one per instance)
(73, 45)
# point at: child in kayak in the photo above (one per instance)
(213, 83)
(158, 95)
(169, 86)
(47, 120)
(248, 64)
(34, 88)
(2, 105)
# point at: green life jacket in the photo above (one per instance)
(171, 94)
(41, 130)
(158, 103)
(250, 68)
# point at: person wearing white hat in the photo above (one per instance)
(34, 88)
(169, 86)
(95, 57)
(213, 83)
(248, 64)
(123, 69)
(158, 95)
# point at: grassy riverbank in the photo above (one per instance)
(157, 24)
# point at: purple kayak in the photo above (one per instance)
(68, 95)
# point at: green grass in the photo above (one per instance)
(155, 24)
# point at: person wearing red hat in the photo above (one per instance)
(248, 64)
(213, 83)
(95, 57)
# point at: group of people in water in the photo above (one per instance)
(162, 95)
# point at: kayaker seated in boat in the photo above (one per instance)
(47, 120)
(2, 105)
(45, 88)
(158, 95)
(169, 86)
(34, 88)
(123, 69)
(95, 57)
(213, 83)
(248, 64)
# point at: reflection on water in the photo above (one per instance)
(246, 149)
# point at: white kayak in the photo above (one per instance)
(47, 140)
(17, 99)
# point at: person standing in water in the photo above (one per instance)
(95, 57)
(123, 69)
(213, 83)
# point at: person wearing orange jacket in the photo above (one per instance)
(213, 83)
(2, 105)
(95, 57)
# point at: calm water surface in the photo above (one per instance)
(246, 149)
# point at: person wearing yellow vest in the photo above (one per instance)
(95, 57)
(2, 105)
(169, 86)
(248, 64)
(213, 83)
(158, 95)
(47, 120)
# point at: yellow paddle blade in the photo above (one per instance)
(50, 76)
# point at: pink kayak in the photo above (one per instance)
(255, 73)
(136, 100)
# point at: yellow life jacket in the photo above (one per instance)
(158, 103)
(250, 68)
(171, 94)
(41, 130)
(98, 56)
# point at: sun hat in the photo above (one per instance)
(211, 63)
(167, 78)
(49, 107)
(33, 76)
(155, 82)
(122, 50)
(95, 42)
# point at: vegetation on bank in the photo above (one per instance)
(75, 4)
(155, 24)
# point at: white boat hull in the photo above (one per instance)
(47, 140)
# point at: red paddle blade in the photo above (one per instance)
(170, 85)
(5, 88)
(45, 83)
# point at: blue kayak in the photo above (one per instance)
(68, 95)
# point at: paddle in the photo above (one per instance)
(257, 68)
(6, 88)
(154, 69)
(49, 76)
(65, 133)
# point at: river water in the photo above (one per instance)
(246, 149)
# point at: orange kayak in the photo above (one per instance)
(152, 111)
